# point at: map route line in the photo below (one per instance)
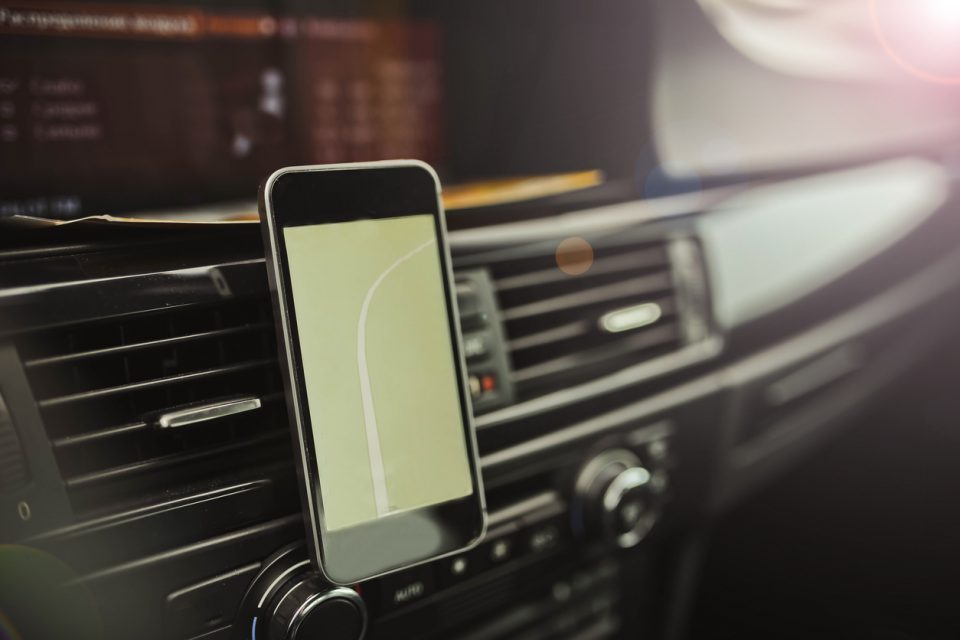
(377, 471)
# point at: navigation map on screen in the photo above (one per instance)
(378, 367)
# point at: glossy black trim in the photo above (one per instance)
(28, 308)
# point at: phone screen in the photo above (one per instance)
(378, 367)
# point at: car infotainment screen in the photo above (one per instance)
(378, 367)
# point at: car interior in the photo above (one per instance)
(706, 270)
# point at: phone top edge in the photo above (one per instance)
(346, 166)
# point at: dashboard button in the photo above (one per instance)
(543, 537)
(406, 588)
(408, 592)
(659, 481)
(658, 450)
(459, 566)
(468, 303)
(483, 385)
(451, 571)
(500, 550)
(476, 346)
(476, 390)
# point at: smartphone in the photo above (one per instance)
(372, 358)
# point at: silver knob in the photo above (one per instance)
(612, 498)
(309, 610)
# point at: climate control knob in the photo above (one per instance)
(613, 498)
(288, 600)
(309, 610)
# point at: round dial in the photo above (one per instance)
(288, 600)
(613, 498)
(308, 610)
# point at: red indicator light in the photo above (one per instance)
(489, 383)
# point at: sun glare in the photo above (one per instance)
(943, 12)
(921, 36)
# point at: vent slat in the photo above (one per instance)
(539, 339)
(612, 265)
(123, 430)
(607, 293)
(99, 434)
(139, 346)
(154, 383)
(662, 336)
(155, 464)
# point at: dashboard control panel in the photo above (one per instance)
(552, 557)
(484, 346)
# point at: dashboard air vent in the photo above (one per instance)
(122, 401)
(612, 307)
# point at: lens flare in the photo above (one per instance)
(7, 630)
(922, 37)
(944, 11)
(35, 584)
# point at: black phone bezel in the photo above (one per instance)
(342, 193)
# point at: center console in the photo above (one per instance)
(550, 564)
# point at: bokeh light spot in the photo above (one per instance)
(574, 256)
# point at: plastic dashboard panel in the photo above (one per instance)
(825, 301)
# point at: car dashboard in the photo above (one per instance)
(711, 339)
